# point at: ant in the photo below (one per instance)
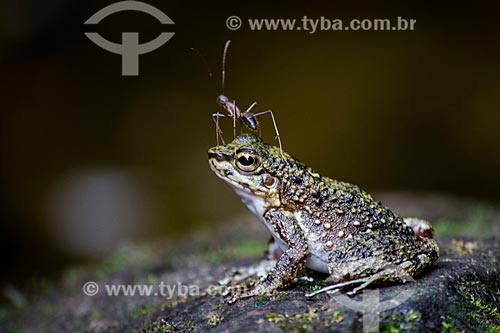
(246, 118)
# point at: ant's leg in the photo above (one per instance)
(234, 119)
(275, 127)
(218, 131)
(254, 105)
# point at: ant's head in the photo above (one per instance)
(222, 100)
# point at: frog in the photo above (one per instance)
(326, 225)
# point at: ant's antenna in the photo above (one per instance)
(203, 60)
(224, 64)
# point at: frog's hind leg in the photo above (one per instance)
(394, 273)
(390, 274)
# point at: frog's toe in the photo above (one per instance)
(334, 288)
(246, 294)
(329, 289)
(355, 290)
(234, 297)
(232, 290)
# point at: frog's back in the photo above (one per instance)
(370, 236)
(352, 233)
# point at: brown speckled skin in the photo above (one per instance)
(336, 222)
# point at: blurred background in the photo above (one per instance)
(92, 159)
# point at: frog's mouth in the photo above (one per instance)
(227, 175)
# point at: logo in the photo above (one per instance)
(130, 49)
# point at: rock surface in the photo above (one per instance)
(461, 293)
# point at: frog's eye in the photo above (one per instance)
(247, 161)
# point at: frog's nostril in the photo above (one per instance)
(216, 155)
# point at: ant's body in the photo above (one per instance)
(247, 118)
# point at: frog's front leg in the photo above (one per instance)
(285, 227)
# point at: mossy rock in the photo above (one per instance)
(459, 294)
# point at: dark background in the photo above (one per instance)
(91, 159)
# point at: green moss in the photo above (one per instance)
(316, 287)
(303, 318)
(448, 326)
(160, 326)
(480, 218)
(143, 310)
(274, 318)
(248, 249)
(476, 307)
(114, 324)
(390, 328)
(152, 279)
(299, 322)
(473, 309)
(242, 249)
(486, 316)
(114, 263)
(95, 315)
(212, 258)
(338, 316)
(413, 316)
(214, 319)
(281, 294)
(461, 247)
(399, 322)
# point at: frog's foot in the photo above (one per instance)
(259, 289)
(420, 227)
(248, 288)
